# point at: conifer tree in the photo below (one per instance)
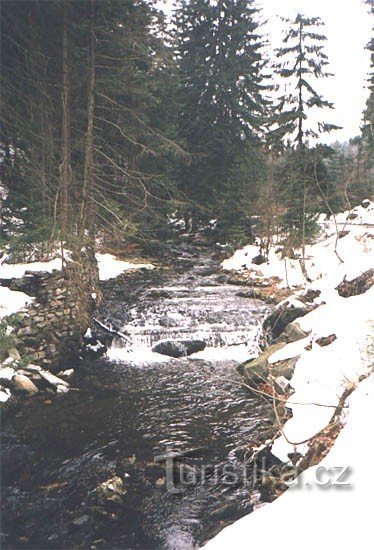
(368, 117)
(302, 61)
(221, 93)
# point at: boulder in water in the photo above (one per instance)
(179, 348)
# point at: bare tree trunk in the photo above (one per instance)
(86, 213)
(301, 103)
(65, 167)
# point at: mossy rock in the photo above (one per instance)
(257, 370)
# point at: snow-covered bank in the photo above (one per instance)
(307, 515)
(109, 267)
(311, 516)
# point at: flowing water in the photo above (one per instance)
(132, 407)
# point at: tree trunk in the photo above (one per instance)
(65, 167)
(87, 211)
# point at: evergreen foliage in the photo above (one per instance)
(221, 97)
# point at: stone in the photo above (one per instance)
(62, 389)
(259, 259)
(33, 368)
(24, 384)
(257, 369)
(282, 316)
(52, 379)
(179, 348)
(326, 340)
(352, 216)
(310, 295)
(79, 522)
(284, 369)
(111, 490)
(292, 333)
(13, 353)
(356, 286)
(67, 373)
(168, 322)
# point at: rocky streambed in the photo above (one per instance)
(87, 469)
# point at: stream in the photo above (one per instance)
(133, 406)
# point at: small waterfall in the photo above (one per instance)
(192, 307)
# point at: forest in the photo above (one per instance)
(116, 118)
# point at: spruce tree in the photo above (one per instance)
(368, 117)
(300, 63)
(221, 95)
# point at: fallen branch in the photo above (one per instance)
(110, 330)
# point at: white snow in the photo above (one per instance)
(110, 267)
(311, 516)
(355, 250)
(12, 301)
(10, 271)
(307, 514)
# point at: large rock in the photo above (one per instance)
(179, 348)
(260, 370)
(292, 333)
(257, 370)
(283, 315)
(24, 384)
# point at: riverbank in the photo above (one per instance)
(35, 303)
(332, 392)
(133, 405)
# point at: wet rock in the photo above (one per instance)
(81, 521)
(168, 322)
(160, 482)
(365, 203)
(225, 512)
(52, 380)
(66, 373)
(326, 340)
(179, 348)
(111, 490)
(23, 384)
(356, 286)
